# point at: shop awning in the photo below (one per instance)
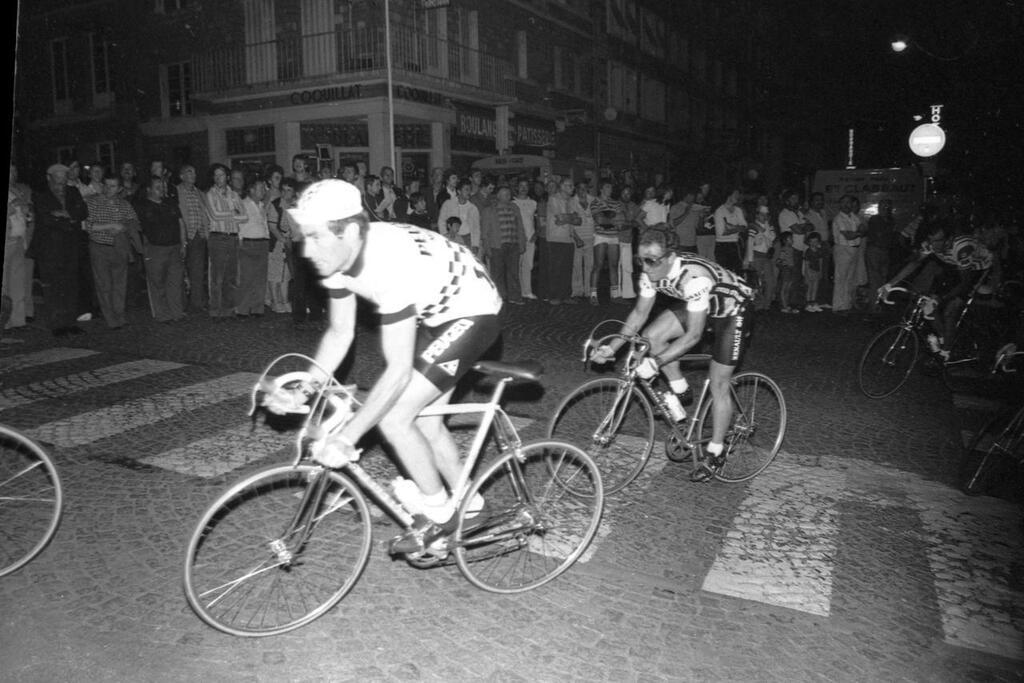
(514, 163)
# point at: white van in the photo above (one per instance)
(904, 186)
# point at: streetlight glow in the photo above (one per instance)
(899, 44)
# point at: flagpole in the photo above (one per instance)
(391, 101)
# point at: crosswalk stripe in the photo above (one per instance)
(782, 543)
(44, 357)
(94, 425)
(980, 610)
(222, 452)
(83, 381)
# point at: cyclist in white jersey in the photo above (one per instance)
(708, 295)
(438, 312)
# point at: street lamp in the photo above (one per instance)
(899, 43)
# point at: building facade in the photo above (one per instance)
(658, 87)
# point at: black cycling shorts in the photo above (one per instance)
(447, 352)
(730, 333)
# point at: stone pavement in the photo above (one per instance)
(853, 557)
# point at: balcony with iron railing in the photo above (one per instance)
(351, 51)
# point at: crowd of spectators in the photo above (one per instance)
(229, 248)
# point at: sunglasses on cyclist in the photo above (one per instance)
(650, 261)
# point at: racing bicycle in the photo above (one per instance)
(613, 419)
(31, 499)
(284, 545)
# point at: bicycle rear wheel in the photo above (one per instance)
(757, 428)
(31, 500)
(611, 420)
(257, 564)
(998, 444)
(887, 361)
(533, 526)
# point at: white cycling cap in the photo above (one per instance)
(327, 200)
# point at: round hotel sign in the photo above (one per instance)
(927, 140)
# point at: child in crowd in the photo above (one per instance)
(785, 260)
(814, 263)
(419, 215)
(453, 225)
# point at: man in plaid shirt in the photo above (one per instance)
(113, 229)
(196, 212)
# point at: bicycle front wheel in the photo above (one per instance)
(266, 558)
(611, 420)
(887, 361)
(533, 526)
(756, 430)
(31, 500)
(999, 443)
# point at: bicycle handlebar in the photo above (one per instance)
(884, 297)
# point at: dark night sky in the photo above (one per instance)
(841, 50)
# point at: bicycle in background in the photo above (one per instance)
(613, 419)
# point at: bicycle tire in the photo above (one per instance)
(887, 361)
(1000, 440)
(622, 454)
(757, 429)
(532, 527)
(31, 500)
(238, 584)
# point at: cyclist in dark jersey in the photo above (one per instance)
(439, 314)
(707, 295)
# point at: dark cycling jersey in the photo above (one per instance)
(965, 253)
(702, 284)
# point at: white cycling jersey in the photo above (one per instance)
(702, 284)
(406, 271)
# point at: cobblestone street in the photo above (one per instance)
(853, 557)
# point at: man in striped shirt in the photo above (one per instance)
(196, 213)
(113, 228)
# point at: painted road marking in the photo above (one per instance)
(782, 543)
(55, 355)
(224, 451)
(88, 427)
(82, 381)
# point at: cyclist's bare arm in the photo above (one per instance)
(335, 343)
(906, 270)
(634, 321)
(694, 330)
(398, 342)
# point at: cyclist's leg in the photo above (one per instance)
(412, 447)
(443, 448)
(665, 329)
(720, 376)
(730, 342)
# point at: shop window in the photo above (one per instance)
(521, 52)
(249, 140)
(177, 89)
(334, 134)
(100, 50)
(105, 155)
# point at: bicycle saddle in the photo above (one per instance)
(526, 371)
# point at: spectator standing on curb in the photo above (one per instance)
(196, 213)
(113, 229)
(583, 256)
(556, 269)
(760, 246)
(704, 221)
(17, 267)
(226, 214)
(56, 245)
(793, 220)
(729, 223)
(818, 217)
(786, 262)
(684, 225)
(253, 251)
(607, 214)
(528, 212)
(629, 226)
(503, 237)
(846, 233)
(163, 249)
(815, 258)
(466, 212)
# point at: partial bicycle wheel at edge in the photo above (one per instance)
(249, 572)
(612, 420)
(887, 361)
(757, 428)
(541, 510)
(31, 500)
(997, 446)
